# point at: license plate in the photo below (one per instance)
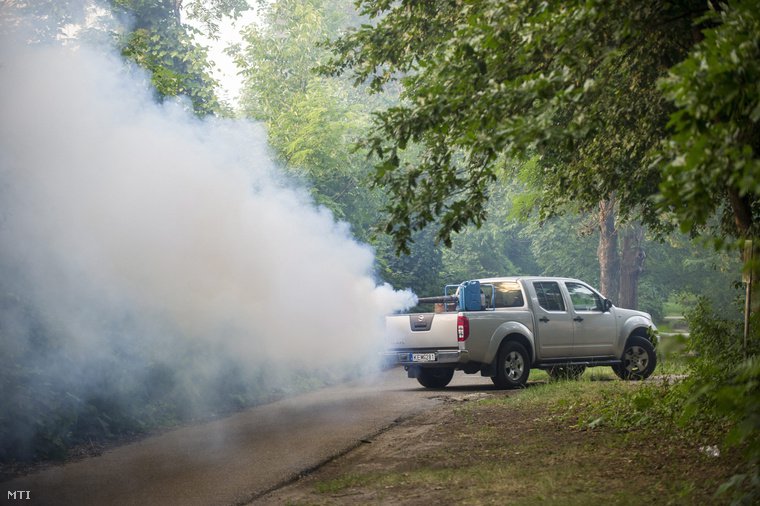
(423, 357)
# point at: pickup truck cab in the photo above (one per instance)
(561, 325)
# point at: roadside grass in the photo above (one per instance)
(496, 483)
(555, 442)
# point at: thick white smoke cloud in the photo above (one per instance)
(135, 225)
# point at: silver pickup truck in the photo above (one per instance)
(560, 325)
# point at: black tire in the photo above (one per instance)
(566, 372)
(512, 366)
(435, 377)
(638, 361)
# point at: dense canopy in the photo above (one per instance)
(575, 83)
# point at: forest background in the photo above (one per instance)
(467, 139)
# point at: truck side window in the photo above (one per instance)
(584, 299)
(549, 296)
(508, 294)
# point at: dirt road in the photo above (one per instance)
(237, 459)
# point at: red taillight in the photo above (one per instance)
(463, 328)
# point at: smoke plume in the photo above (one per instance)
(143, 248)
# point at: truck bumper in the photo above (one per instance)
(424, 358)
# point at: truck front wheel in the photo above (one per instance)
(638, 361)
(512, 366)
(434, 377)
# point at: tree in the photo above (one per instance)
(312, 121)
(41, 20)
(160, 42)
(150, 33)
(711, 161)
(711, 183)
(607, 250)
(571, 81)
(420, 270)
(501, 247)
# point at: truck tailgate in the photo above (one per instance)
(421, 331)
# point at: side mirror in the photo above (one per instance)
(607, 305)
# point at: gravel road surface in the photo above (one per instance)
(235, 460)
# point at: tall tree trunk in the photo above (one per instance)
(177, 7)
(742, 210)
(607, 251)
(632, 265)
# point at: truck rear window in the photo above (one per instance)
(508, 294)
(549, 296)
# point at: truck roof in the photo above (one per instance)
(527, 278)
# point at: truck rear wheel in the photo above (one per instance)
(434, 377)
(512, 366)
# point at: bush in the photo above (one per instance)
(719, 400)
(724, 385)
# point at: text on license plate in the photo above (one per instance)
(423, 357)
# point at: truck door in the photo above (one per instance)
(554, 323)
(595, 330)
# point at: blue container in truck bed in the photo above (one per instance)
(469, 296)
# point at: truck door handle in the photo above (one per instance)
(577, 319)
(544, 319)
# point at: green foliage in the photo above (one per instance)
(420, 270)
(312, 121)
(210, 12)
(500, 247)
(711, 165)
(165, 46)
(572, 81)
(279, 54)
(647, 407)
(738, 399)
(725, 385)
(150, 33)
(565, 246)
(719, 401)
(178, 66)
(716, 341)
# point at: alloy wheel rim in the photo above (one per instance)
(636, 359)
(514, 365)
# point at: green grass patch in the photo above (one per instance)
(342, 483)
(591, 441)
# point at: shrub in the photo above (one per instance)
(724, 385)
